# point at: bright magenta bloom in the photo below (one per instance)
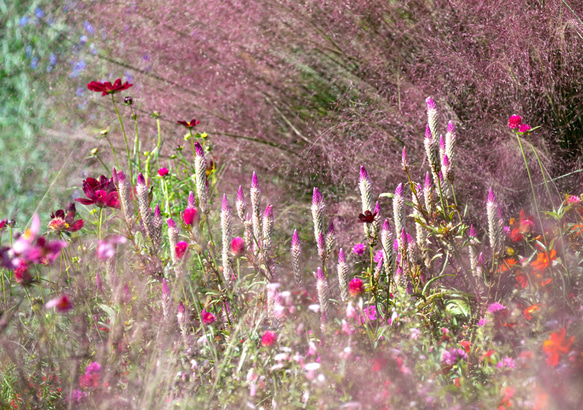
(163, 172)
(207, 317)
(181, 248)
(269, 338)
(107, 87)
(356, 287)
(62, 303)
(514, 122)
(524, 128)
(238, 247)
(101, 193)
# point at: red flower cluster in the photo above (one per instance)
(107, 87)
(101, 193)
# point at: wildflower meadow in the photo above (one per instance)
(430, 256)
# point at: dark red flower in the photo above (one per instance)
(189, 124)
(61, 222)
(101, 193)
(22, 275)
(107, 87)
(368, 217)
(3, 223)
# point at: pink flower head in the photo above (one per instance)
(359, 249)
(62, 303)
(356, 287)
(207, 317)
(100, 192)
(106, 247)
(22, 274)
(269, 338)
(378, 257)
(496, 307)
(573, 199)
(238, 247)
(181, 248)
(163, 172)
(524, 128)
(514, 122)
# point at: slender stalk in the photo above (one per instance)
(100, 222)
(136, 152)
(112, 150)
(102, 163)
(125, 138)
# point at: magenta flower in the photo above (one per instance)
(101, 193)
(108, 88)
(181, 248)
(452, 355)
(514, 122)
(496, 307)
(189, 124)
(207, 317)
(190, 216)
(91, 376)
(62, 303)
(106, 247)
(524, 128)
(22, 274)
(356, 287)
(32, 249)
(269, 338)
(61, 222)
(359, 249)
(163, 172)
(378, 256)
(238, 247)
(506, 362)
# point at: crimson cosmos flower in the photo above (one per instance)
(61, 222)
(101, 193)
(107, 87)
(189, 124)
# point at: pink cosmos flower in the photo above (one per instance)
(514, 122)
(62, 303)
(269, 338)
(207, 317)
(163, 172)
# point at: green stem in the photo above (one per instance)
(136, 141)
(112, 150)
(100, 222)
(103, 163)
(125, 138)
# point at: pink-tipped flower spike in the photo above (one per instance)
(227, 237)
(268, 222)
(430, 150)
(201, 181)
(428, 193)
(318, 207)
(399, 209)
(322, 248)
(495, 225)
(238, 247)
(255, 194)
(248, 235)
(403, 246)
(296, 252)
(190, 216)
(365, 186)
(514, 122)
(114, 176)
(342, 276)
(404, 163)
(376, 223)
(144, 206)
(165, 299)
(432, 116)
(450, 141)
(62, 304)
(158, 223)
(445, 167)
(191, 200)
(387, 241)
(124, 190)
(323, 292)
(241, 204)
(172, 238)
(330, 239)
(419, 229)
(441, 148)
(473, 251)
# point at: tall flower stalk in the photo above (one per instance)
(227, 237)
(296, 252)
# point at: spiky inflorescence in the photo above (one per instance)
(267, 241)
(343, 276)
(450, 140)
(323, 293)
(444, 174)
(421, 233)
(432, 116)
(365, 186)
(255, 194)
(124, 189)
(158, 223)
(172, 238)
(473, 250)
(202, 189)
(399, 210)
(403, 243)
(430, 150)
(227, 237)
(296, 253)
(375, 226)
(248, 236)
(377, 271)
(144, 206)
(165, 299)
(318, 206)
(404, 163)
(387, 241)
(322, 248)
(428, 194)
(241, 204)
(495, 225)
(441, 148)
(330, 239)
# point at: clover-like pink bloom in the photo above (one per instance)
(107, 87)
(207, 317)
(359, 249)
(269, 338)
(181, 248)
(101, 193)
(238, 247)
(62, 303)
(524, 128)
(163, 172)
(514, 122)
(356, 287)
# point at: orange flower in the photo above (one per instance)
(521, 227)
(507, 264)
(529, 310)
(543, 261)
(557, 345)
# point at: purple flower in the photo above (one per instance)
(506, 362)
(207, 317)
(452, 355)
(106, 247)
(378, 256)
(359, 249)
(496, 307)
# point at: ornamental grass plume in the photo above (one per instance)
(255, 194)
(157, 225)
(495, 225)
(428, 194)
(365, 186)
(342, 276)
(330, 239)
(387, 241)
(399, 211)
(296, 253)
(318, 207)
(241, 204)
(227, 237)
(323, 294)
(202, 189)
(144, 206)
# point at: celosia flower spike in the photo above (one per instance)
(343, 276)
(399, 210)
(365, 186)
(495, 225)
(158, 223)
(255, 194)
(404, 163)
(144, 206)
(268, 221)
(330, 239)
(323, 293)
(450, 141)
(432, 116)
(428, 193)
(441, 148)
(227, 237)
(124, 189)
(387, 241)
(172, 238)
(318, 206)
(241, 204)
(296, 252)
